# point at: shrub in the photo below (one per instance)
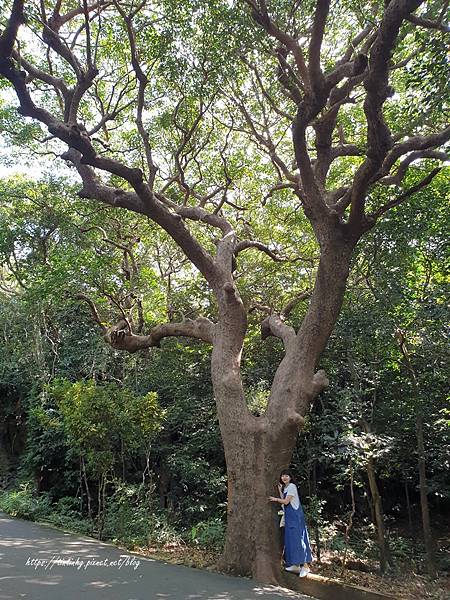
(209, 534)
(131, 518)
(67, 515)
(22, 503)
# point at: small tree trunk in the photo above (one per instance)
(122, 458)
(412, 532)
(349, 524)
(370, 507)
(383, 546)
(423, 486)
(88, 492)
(163, 483)
(378, 515)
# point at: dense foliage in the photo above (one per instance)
(186, 149)
(49, 341)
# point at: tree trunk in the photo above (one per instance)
(349, 523)
(252, 543)
(378, 514)
(412, 532)
(383, 546)
(258, 448)
(88, 492)
(370, 506)
(423, 486)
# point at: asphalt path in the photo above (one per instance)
(42, 563)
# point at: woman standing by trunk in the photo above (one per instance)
(297, 550)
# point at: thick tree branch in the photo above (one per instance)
(56, 82)
(418, 142)
(274, 255)
(261, 16)
(9, 34)
(379, 138)
(286, 311)
(346, 150)
(200, 328)
(428, 23)
(244, 244)
(315, 45)
(274, 325)
(120, 336)
(403, 167)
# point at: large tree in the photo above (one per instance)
(163, 109)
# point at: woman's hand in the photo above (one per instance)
(273, 499)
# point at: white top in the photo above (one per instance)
(291, 490)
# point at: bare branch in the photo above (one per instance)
(261, 16)
(143, 81)
(286, 311)
(273, 104)
(428, 24)
(412, 190)
(94, 311)
(267, 144)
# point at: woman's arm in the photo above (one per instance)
(284, 501)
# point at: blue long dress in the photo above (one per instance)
(297, 549)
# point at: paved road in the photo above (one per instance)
(41, 563)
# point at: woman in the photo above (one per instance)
(297, 551)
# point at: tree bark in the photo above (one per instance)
(251, 545)
(88, 491)
(383, 546)
(408, 509)
(423, 486)
(258, 448)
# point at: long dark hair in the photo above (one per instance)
(287, 472)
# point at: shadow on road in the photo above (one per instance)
(41, 563)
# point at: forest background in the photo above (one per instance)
(127, 446)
